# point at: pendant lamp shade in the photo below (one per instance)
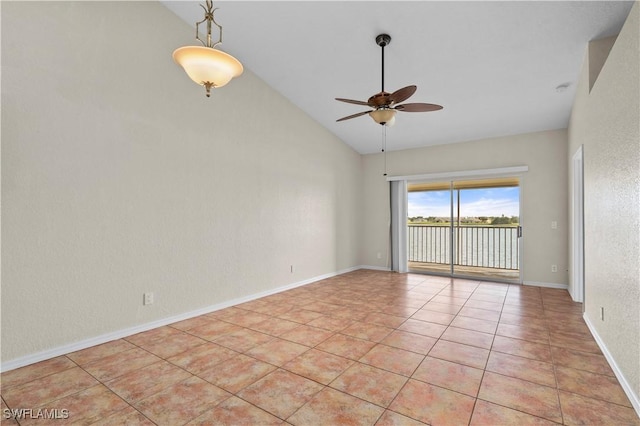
(207, 66)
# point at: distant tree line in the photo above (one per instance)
(503, 220)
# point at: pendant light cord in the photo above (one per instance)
(384, 147)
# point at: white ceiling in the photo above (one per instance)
(494, 66)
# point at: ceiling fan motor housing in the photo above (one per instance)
(380, 100)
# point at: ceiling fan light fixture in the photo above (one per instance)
(384, 116)
(206, 65)
(391, 122)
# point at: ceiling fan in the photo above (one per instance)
(385, 104)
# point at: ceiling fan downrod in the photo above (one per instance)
(383, 40)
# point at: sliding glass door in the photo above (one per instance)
(465, 228)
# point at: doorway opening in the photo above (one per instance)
(465, 228)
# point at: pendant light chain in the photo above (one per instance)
(384, 148)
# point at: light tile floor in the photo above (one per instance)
(363, 348)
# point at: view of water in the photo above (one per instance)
(483, 246)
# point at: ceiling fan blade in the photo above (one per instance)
(418, 107)
(351, 101)
(403, 94)
(348, 117)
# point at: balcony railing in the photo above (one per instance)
(481, 246)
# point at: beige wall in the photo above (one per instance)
(606, 121)
(543, 189)
(120, 177)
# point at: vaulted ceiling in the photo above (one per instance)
(494, 66)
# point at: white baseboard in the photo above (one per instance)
(108, 337)
(375, 268)
(548, 285)
(633, 398)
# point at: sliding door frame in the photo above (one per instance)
(515, 171)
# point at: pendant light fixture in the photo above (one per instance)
(206, 65)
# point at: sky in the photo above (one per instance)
(473, 202)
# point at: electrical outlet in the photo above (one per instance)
(148, 299)
(554, 225)
(554, 268)
(379, 255)
(601, 313)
